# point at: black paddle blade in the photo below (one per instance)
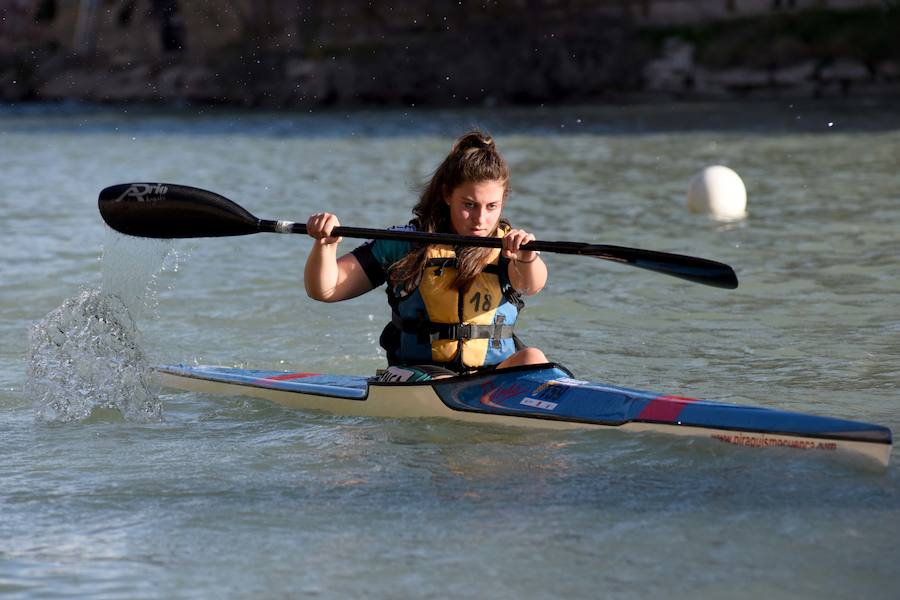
(690, 268)
(164, 210)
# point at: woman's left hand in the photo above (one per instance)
(527, 272)
(513, 242)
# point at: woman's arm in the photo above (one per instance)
(326, 277)
(527, 272)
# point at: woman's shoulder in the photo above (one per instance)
(387, 252)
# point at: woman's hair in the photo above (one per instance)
(473, 159)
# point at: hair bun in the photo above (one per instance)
(474, 139)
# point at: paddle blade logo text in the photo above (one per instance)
(142, 192)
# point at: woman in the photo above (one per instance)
(451, 307)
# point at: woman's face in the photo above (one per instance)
(475, 207)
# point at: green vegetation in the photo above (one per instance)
(868, 35)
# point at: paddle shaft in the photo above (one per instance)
(614, 253)
(162, 210)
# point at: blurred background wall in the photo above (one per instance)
(283, 54)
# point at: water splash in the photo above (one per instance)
(85, 356)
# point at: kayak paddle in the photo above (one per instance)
(164, 210)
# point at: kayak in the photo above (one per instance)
(541, 396)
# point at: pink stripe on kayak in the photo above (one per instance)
(289, 376)
(664, 408)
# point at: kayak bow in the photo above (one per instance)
(541, 396)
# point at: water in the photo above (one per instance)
(126, 490)
(86, 356)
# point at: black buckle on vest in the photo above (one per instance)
(498, 331)
(441, 264)
(427, 332)
(467, 331)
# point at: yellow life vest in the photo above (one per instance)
(442, 325)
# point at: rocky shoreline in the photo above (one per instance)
(594, 60)
(677, 73)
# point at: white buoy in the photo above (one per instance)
(719, 192)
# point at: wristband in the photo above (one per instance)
(528, 262)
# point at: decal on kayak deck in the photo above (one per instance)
(495, 396)
(763, 441)
(550, 392)
(570, 381)
(665, 409)
(542, 404)
(289, 376)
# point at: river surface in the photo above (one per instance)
(113, 488)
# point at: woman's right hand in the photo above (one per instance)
(320, 225)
